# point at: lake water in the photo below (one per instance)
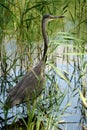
(70, 65)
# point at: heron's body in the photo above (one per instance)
(31, 85)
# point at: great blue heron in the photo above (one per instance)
(31, 84)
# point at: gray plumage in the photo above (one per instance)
(31, 85)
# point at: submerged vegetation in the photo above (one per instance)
(66, 72)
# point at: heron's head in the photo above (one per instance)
(49, 17)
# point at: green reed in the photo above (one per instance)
(21, 20)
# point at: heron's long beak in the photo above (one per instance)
(56, 17)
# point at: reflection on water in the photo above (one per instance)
(73, 66)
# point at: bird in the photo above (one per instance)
(31, 85)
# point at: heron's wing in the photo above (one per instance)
(25, 88)
(30, 88)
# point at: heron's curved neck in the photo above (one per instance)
(45, 39)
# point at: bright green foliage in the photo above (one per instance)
(20, 26)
